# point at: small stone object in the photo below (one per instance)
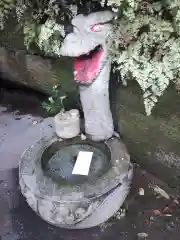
(141, 191)
(83, 137)
(142, 235)
(67, 124)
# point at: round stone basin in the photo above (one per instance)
(59, 158)
(75, 201)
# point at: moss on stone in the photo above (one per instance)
(152, 141)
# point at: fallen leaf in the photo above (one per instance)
(161, 192)
(167, 210)
(176, 201)
(157, 212)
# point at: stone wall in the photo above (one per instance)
(34, 71)
(29, 68)
(154, 141)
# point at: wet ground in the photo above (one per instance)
(151, 213)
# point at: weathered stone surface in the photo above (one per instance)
(36, 72)
(58, 204)
(152, 141)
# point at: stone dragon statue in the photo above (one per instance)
(89, 205)
(88, 44)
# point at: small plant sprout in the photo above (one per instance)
(62, 98)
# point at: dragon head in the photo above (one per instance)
(88, 44)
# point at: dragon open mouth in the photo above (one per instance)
(87, 66)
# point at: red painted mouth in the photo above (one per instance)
(87, 66)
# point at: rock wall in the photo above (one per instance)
(30, 69)
(154, 141)
(34, 71)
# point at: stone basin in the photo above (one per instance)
(72, 201)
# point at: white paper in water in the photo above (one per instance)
(83, 163)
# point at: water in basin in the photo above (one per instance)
(59, 159)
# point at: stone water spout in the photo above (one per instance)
(45, 170)
(88, 44)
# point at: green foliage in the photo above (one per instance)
(147, 37)
(55, 102)
(147, 44)
(33, 16)
(6, 7)
(30, 33)
(50, 38)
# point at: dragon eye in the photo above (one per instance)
(96, 28)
